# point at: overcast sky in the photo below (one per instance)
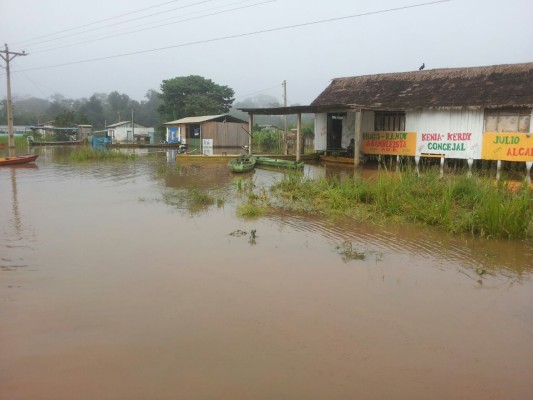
(80, 47)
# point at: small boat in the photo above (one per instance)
(242, 164)
(278, 163)
(337, 159)
(23, 159)
(32, 142)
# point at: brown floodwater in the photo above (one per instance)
(113, 285)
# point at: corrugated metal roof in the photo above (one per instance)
(203, 118)
(509, 85)
(116, 125)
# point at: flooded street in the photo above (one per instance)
(113, 286)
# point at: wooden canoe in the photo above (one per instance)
(336, 159)
(242, 164)
(23, 159)
(56, 143)
(278, 163)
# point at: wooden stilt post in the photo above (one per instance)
(529, 164)
(357, 137)
(250, 128)
(298, 137)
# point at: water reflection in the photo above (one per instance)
(130, 294)
(17, 234)
(441, 250)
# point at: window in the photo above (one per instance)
(517, 120)
(389, 121)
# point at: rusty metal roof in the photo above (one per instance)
(205, 118)
(509, 85)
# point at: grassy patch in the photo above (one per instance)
(21, 143)
(199, 198)
(88, 154)
(250, 210)
(459, 204)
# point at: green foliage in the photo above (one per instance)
(88, 154)
(21, 143)
(266, 140)
(459, 204)
(200, 198)
(192, 96)
(250, 210)
(100, 109)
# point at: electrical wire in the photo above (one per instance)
(124, 22)
(258, 91)
(98, 38)
(240, 35)
(97, 22)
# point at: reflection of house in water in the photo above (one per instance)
(207, 132)
(203, 176)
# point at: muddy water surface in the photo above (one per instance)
(114, 286)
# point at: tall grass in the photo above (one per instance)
(459, 204)
(88, 154)
(21, 143)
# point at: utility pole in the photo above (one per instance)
(285, 145)
(7, 57)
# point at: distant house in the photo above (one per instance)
(462, 113)
(208, 131)
(84, 131)
(78, 132)
(125, 131)
(270, 128)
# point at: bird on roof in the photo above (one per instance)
(422, 67)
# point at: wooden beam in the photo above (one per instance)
(250, 131)
(298, 137)
(357, 136)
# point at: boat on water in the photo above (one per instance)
(22, 159)
(242, 164)
(32, 142)
(337, 159)
(278, 163)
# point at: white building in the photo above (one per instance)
(461, 113)
(125, 131)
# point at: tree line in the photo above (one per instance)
(178, 97)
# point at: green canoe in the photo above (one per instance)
(279, 163)
(242, 164)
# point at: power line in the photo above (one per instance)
(242, 35)
(36, 84)
(157, 26)
(258, 91)
(123, 22)
(100, 21)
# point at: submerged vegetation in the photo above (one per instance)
(88, 154)
(21, 143)
(460, 204)
(255, 205)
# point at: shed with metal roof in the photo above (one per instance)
(206, 132)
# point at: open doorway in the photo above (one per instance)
(334, 138)
(194, 137)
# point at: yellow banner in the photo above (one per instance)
(507, 146)
(391, 143)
